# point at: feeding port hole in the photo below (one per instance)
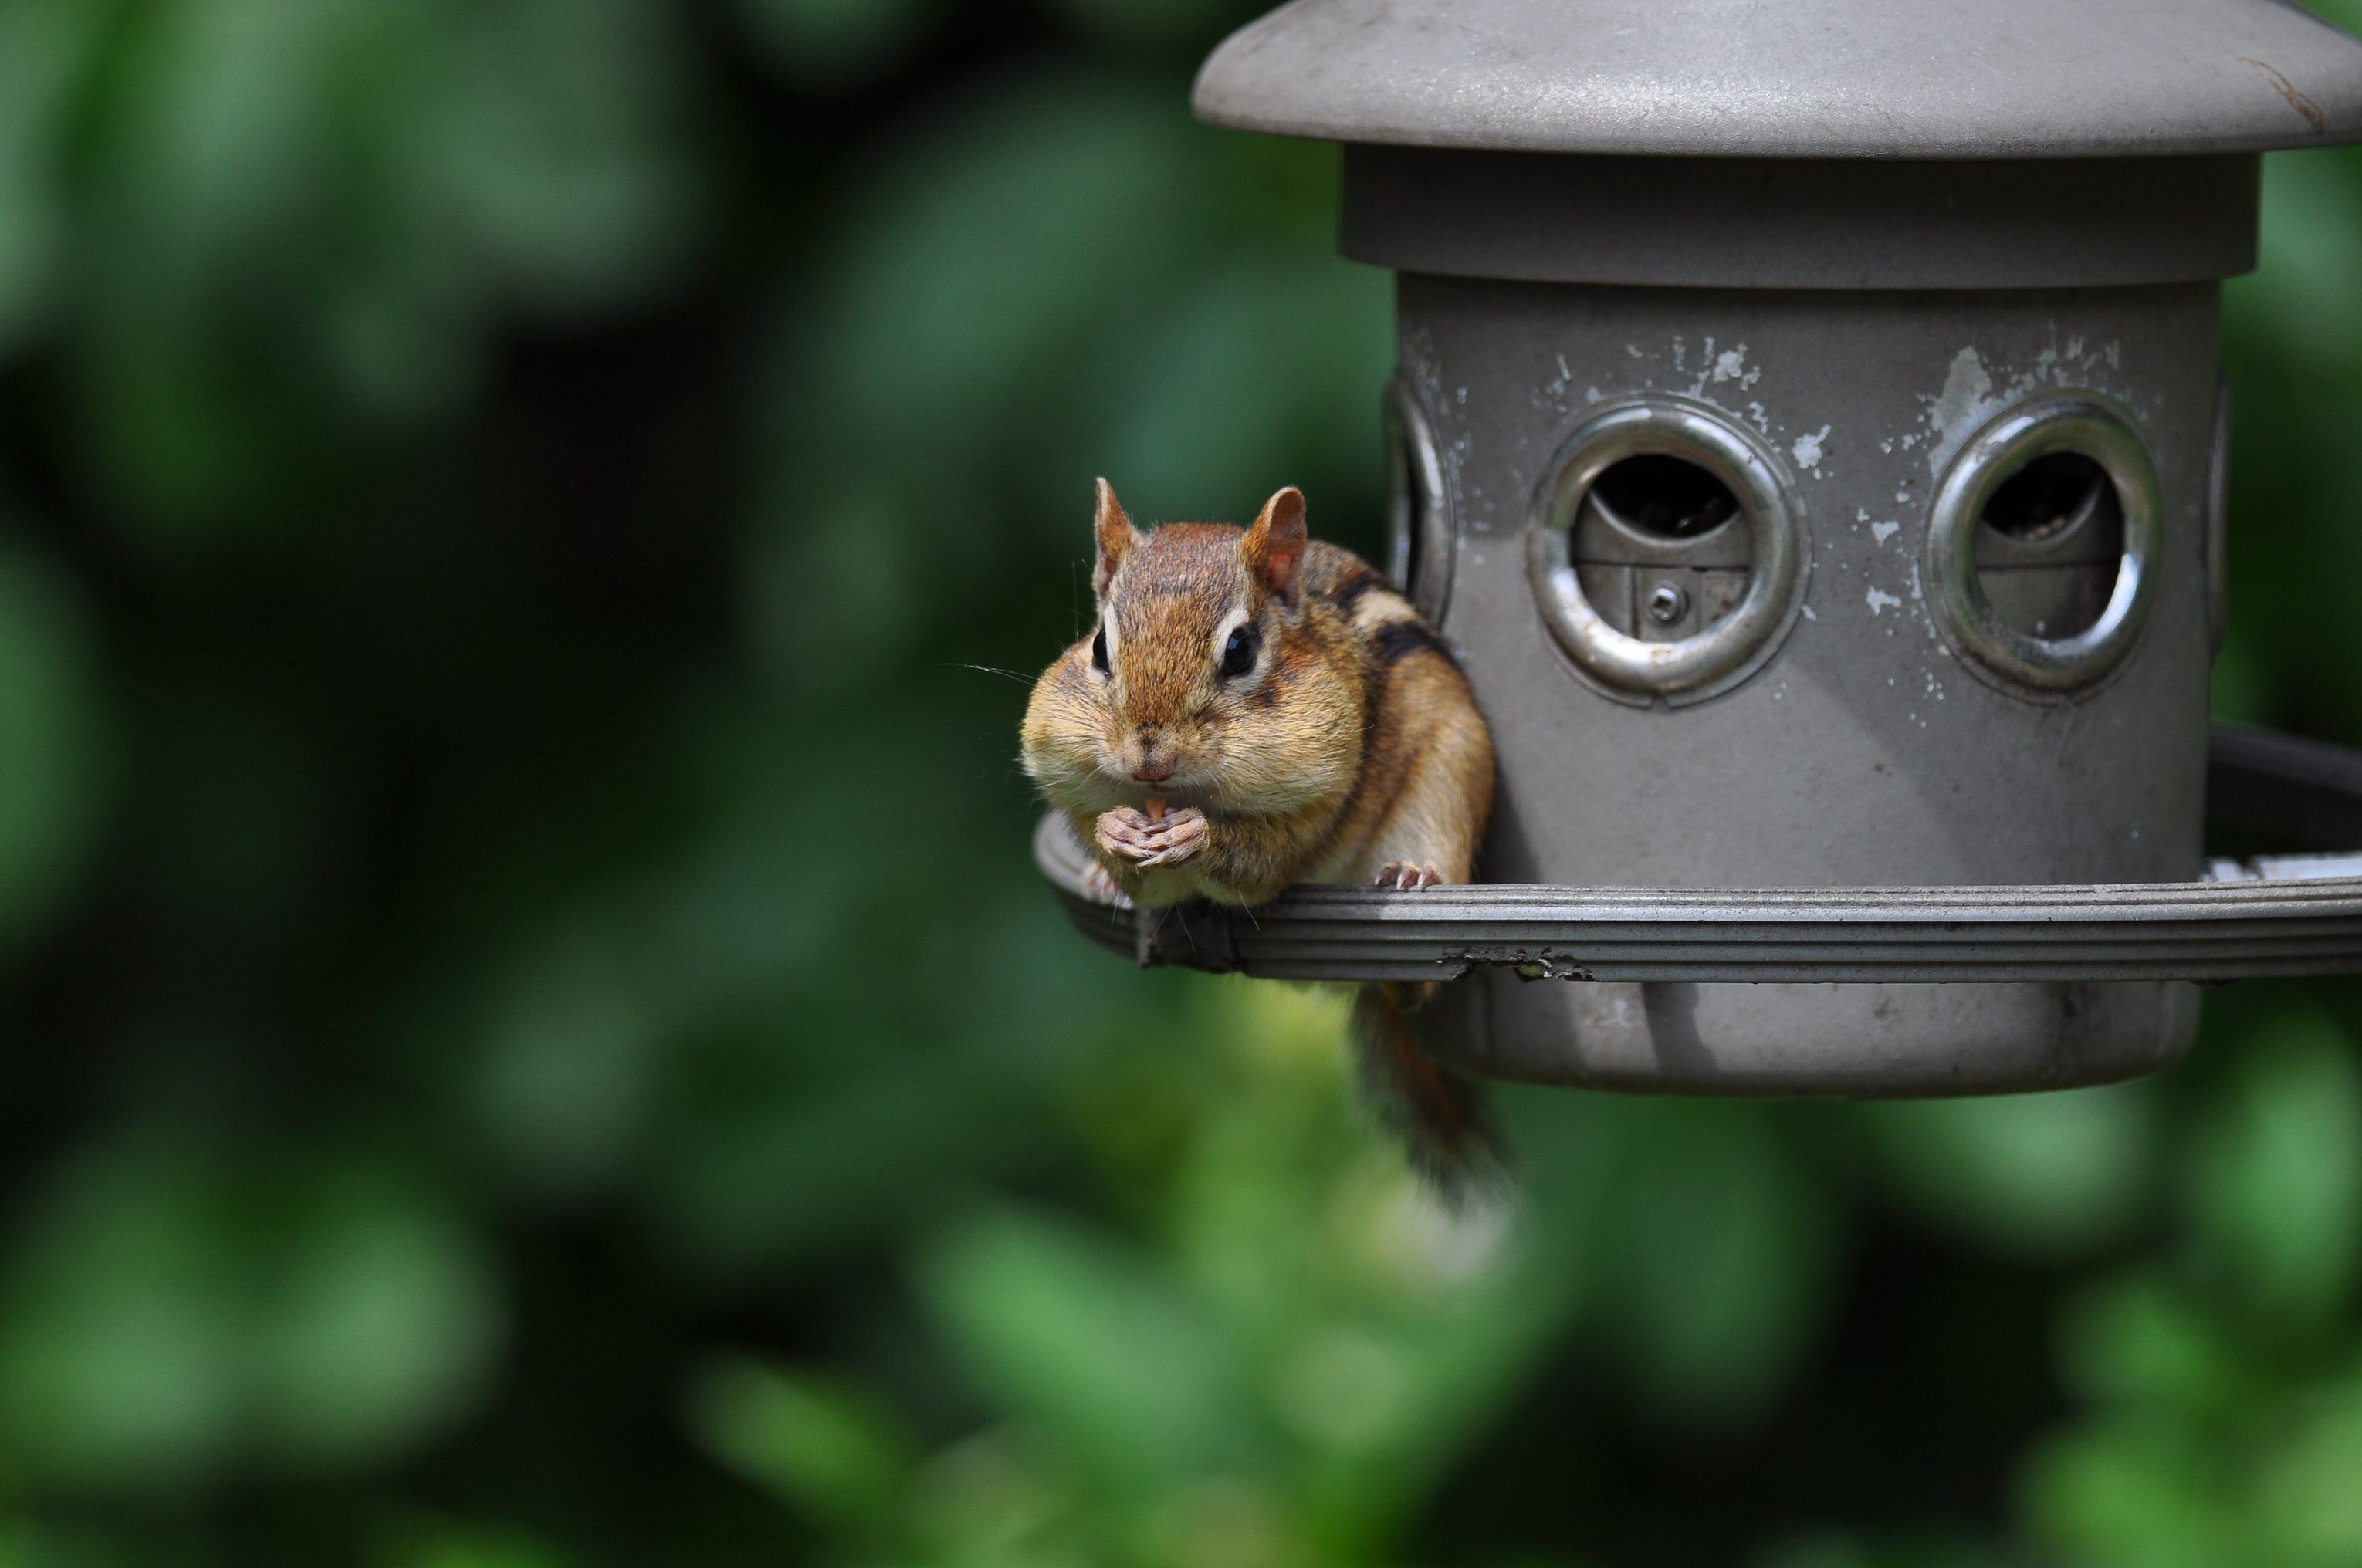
(1659, 547)
(1665, 497)
(2042, 544)
(1666, 551)
(2049, 544)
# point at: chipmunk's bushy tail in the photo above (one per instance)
(1444, 1119)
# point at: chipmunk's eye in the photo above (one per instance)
(1099, 650)
(1239, 653)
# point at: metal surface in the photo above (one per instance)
(1418, 503)
(1799, 223)
(2218, 521)
(2006, 78)
(1861, 753)
(1715, 657)
(2273, 915)
(2071, 423)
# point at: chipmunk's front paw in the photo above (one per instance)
(1099, 887)
(1128, 835)
(1404, 873)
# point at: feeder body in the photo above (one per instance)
(1848, 341)
(1865, 751)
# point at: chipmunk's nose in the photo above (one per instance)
(1155, 758)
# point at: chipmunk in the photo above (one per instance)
(1308, 727)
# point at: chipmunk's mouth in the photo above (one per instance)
(1177, 791)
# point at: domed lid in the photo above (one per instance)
(1919, 78)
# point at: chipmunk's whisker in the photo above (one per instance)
(1021, 680)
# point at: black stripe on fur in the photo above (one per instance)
(1397, 638)
(1349, 592)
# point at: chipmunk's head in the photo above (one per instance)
(1193, 684)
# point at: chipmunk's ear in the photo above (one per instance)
(1274, 547)
(1115, 534)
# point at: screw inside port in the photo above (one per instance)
(1667, 604)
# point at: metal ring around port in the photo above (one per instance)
(2081, 424)
(1733, 648)
(1418, 503)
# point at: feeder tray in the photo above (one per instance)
(2266, 917)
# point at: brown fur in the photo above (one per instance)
(1352, 750)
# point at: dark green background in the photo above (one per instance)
(531, 1039)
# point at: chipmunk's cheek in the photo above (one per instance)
(1213, 754)
(1110, 752)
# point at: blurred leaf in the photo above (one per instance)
(119, 1329)
(2276, 1190)
(2131, 1495)
(1239, 387)
(2135, 1342)
(45, 46)
(375, 1326)
(46, 1546)
(444, 1545)
(2307, 1504)
(173, 1314)
(2032, 1175)
(983, 253)
(564, 1081)
(1116, 1366)
(557, 131)
(828, 1451)
(1719, 1259)
(301, 218)
(1836, 1550)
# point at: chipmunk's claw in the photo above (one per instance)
(1101, 887)
(1128, 835)
(1405, 874)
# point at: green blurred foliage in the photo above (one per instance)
(534, 1042)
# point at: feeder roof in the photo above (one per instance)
(1910, 78)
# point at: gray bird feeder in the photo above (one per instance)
(1808, 430)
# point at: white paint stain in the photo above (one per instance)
(1882, 531)
(1808, 613)
(1966, 386)
(1879, 601)
(1808, 448)
(1730, 365)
